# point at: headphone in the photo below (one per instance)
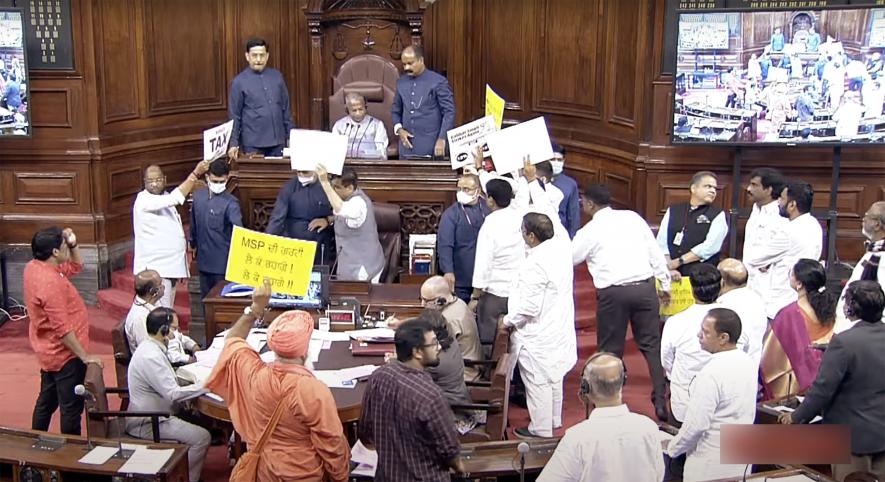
(164, 330)
(441, 302)
(586, 388)
(852, 308)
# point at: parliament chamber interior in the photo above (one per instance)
(335, 235)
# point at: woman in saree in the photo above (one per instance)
(789, 362)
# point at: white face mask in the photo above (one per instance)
(217, 187)
(557, 167)
(305, 180)
(465, 198)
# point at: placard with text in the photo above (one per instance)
(255, 256)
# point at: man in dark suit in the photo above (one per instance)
(849, 386)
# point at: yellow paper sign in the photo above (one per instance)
(681, 297)
(286, 262)
(494, 106)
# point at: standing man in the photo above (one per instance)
(159, 235)
(849, 385)
(405, 416)
(302, 211)
(148, 293)
(870, 266)
(624, 260)
(437, 295)
(541, 314)
(458, 231)
(213, 216)
(259, 106)
(724, 392)
(423, 108)
(613, 443)
(154, 388)
(366, 135)
(693, 232)
(735, 295)
(59, 327)
(360, 257)
(570, 206)
(764, 234)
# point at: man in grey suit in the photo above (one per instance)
(849, 388)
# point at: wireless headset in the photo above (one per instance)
(585, 385)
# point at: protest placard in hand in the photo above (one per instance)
(463, 140)
(308, 148)
(216, 139)
(510, 146)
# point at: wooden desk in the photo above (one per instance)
(400, 299)
(787, 471)
(493, 459)
(16, 452)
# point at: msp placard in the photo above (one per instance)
(255, 256)
(494, 106)
(681, 297)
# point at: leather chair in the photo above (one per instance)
(104, 423)
(494, 400)
(389, 233)
(122, 355)
(375, 78)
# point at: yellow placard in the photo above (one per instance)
(494, 106)
(681, 297)
(286, 262)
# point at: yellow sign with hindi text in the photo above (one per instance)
(681, 297)
(494, 106)
(255, 256)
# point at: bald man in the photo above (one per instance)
(436, 294)
(309, 431)
(366, 135)
(746, 303)
(870, 267)
(149, 290)
(613, 443)
(160, 243)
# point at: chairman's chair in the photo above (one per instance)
(104, 423)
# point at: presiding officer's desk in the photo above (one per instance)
(17, 454)
(401, 300)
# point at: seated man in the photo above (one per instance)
(613, 443)
(149, 289)
(153, 387)
(180, 348)
(360, 257)
(366, 135)
(436, 294)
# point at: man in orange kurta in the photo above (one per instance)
(308, 443)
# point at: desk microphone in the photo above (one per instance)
(81, 391)
(523, 448)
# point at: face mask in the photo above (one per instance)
(465, 198)
(557, 167)
(866, 234)
(217, 187)
(305, 180)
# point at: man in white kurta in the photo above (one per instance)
(160, 244)
(746, 303)
(765, 239)
(541, 314)
(724, 392)
(874, 231)
(366, 135)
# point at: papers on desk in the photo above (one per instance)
(366, 459)
(785, 409)
(194, 373)
(345, 377)
(792, 478)
(329, 336)
(146, 461)
(99, 455)
(371, 334)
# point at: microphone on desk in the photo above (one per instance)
(523, 448)
(81, 391)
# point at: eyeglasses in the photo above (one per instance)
(154, 180)
(434, 344)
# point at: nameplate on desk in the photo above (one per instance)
(48, 444)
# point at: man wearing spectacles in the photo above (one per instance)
(159, 236)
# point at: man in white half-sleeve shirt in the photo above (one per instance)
(870, 267)
(723, 393)
(153, 388)
(613, 444)
(624, 260)
(160, 244)
(736, 296)
(148, 291)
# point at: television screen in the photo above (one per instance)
(14, 116)
(780, 77)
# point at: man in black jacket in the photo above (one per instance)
(849, 388)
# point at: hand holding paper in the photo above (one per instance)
(510, 146)
(309, 148)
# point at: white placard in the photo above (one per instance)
(463, 140)
(509, 146)
(216, 139)
(309, 148)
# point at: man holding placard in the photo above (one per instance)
(360, 256)
(423, 108)
(302, 211)
(259, 106)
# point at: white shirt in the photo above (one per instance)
(619, 248)
(842, 322)
(681, 354)
(152, 382)
(754, 322)
(766, 241)
(365, 139)
(159, 235)
(611, 445)
(500, 250)
(724, 392)
(353, 212)
(847, 118)
(136, 329)
(177, 347)
(541, 309)
(873, 100)
(804, 240)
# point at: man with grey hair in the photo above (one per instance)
(870, 266)
(436, 294)
(613, 443)
(366, 135)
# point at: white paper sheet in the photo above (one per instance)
(194, 373)
(358, 372)
(333, 379)
(99, 455)
(363, 455)
(464, 139)
(146, 461)
(208, 357)
(371, 333)
(330, 335)
(216, 139)
(309, 148)
(214, 396)
(509, 146)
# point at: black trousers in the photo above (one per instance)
(57, 392)
(637, 303)
(207, 282)
(675, 466)
(489, 308)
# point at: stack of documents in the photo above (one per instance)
(345, 377)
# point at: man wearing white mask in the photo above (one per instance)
(458, 232)
(870, 267)
(570, 206)
(213, 216)
(302, 211)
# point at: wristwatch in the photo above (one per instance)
(681, 261)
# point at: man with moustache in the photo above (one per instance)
(869, 267)
(423, 108)
(303, 211)
(764, 234)
(458, 232)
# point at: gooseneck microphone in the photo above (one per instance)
(81, 391)
(523, 448)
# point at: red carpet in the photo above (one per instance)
(20, 380)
